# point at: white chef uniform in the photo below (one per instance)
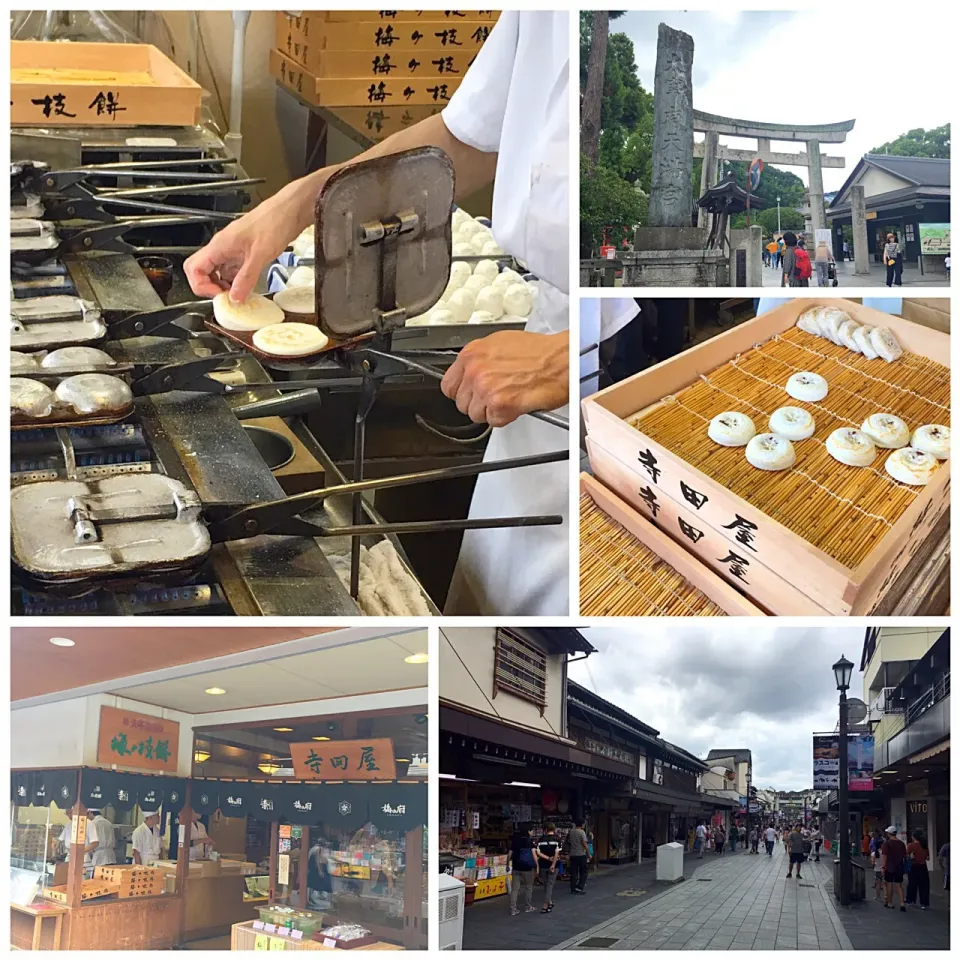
(514, 101)
(101, 830)
(146, 841)
(197, 832)
(600, 319)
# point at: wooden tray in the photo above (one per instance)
(89, 890)
(170, 98)
(869, 527)
(630, 568)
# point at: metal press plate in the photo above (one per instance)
(348, 273)
(45, 543)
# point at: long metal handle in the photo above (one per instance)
(169, 208)
(158, 164)
(185, 188)
(442, 526)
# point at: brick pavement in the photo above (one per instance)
(487, 924)
(740, 902)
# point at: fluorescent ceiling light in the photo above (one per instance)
(319, 738)
(215, 691)
(62, 642)
(519, 783)
(417, 658)
(283, 729)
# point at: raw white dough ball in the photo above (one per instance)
(461, 304)
(488, 269)
(518, 299)
(492, 249)
(441, 317)
(469, 228)
(507, 278)
(476, 283)
(482, 316)
(459, 218)
(459, 274)
(462, 249)
(490, 300)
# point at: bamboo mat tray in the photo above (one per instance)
(622, 575)
(844, 511)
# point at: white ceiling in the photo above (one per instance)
(369, 666)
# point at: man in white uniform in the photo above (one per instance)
(101, 840)
(509, 117)
(200, 841)
(146, 839)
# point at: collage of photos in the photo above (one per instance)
(298, 334)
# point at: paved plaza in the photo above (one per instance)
(733, 902)
(877, 278)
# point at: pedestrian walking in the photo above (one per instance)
(816, 839)
(578, 844)
(893, 258)
(772, 248)
(734, 837)
(846, 251)
(719, 839)
(701, 841)
(770, 839)
(795, 850)
(796, 262)
(894, 853)
(754, 840)
(524, 869)
(944, 857)
(546, 854)
(918, 879)
(876, 858)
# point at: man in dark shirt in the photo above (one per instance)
(795, 846)
(894, 853)
(579, 853)
(524, 866)
(547, 853)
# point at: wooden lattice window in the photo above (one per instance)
(520, 668)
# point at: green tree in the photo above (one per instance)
(919, 143)
(790, 219)
(607, 202)
(592, 97)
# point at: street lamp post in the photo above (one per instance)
(842, 671)
(778, 214)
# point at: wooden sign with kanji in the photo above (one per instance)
(344, 760)
(137, 740)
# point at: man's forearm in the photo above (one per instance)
(474, 169)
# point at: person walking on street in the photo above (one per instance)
(846, 251)
(796, 262)
(719, 839)
(546, 854)
(579, 852)
(893, 259)
(770, 839)
(944, 858)
(876, 858)
(918, 881)
(816, 838)
(894, 853)
(701, 842)
(795, 849)
(524, 865)
(754, 839)
(734, 837)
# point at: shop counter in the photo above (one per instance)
(27, 929)
(215, 904)
(244, 937)
(135, 923)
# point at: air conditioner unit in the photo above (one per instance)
(451, 912)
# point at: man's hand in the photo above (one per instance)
(502, 376)
(235, 257)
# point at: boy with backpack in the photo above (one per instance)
(524, 865)
(797, 268)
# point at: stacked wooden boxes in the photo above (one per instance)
(89, 890)
(776, 563)
(132, 881)
(380, 70)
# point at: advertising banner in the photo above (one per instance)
(826, 761)
(934, 238)
(860, 762)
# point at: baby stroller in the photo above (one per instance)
(832, 274)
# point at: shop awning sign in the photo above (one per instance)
(344, 760)
(136, 740)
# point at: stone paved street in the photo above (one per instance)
(741, 902)
(877, 278)
(488, 925)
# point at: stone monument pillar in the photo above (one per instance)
(818, 213)
(755, 256)
(861, 245)
(671, 194)
(708, 173)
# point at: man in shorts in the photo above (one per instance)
(795, 849)
(894, 853)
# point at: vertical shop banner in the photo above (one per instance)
(826, 761)
(137, 740)
(344, 760)
(860, 762)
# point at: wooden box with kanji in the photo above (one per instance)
(818, 538)
(132, 880)
(364, 91)
(98, 84)
(89, 890)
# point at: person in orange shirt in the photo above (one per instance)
(918, 880)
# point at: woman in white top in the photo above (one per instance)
(509, 118)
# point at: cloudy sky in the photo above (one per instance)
(725, 684)
(842, 61)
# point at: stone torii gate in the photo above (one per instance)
(714, 126)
